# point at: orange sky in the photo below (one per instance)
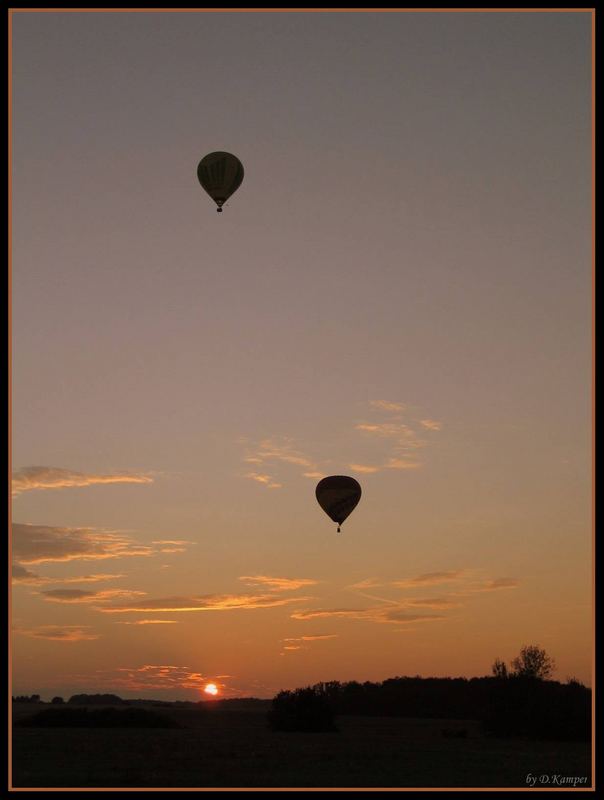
(400, 291)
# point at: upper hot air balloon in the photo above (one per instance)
(338, 496)
(220, 174)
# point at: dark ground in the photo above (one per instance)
(219, 747)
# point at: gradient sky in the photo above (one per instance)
(399, 291)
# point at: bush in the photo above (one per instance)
(97, 700)
(306, 709)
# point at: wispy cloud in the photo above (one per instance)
(386, 405)
(149, 622)
(432, 579)
(26, 576)
(404, 436)
(488, 586)
(402, 440)
(292, 641)
(29, 478)
(276, 451)
(365, 468)
(401, 463)
(431, 424)
(209, 602)
(368, 583)
(59, 633)
(82, 596)
(401, 444)
(157, 676)
(35, 544)
(267, 480)
(379, 614)
(278, 584)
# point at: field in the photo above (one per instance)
(218, 747)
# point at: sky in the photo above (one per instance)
(399, 291)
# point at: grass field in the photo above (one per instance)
(219, 747)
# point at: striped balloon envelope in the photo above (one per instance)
(338, 496)
(220, 175)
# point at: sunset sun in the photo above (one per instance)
(211, 688)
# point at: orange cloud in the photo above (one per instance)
(267, 480)
(59, 633)
(379, 614)
(431, 424)
(210, 602)
(432, 579)
(82, 596)
(364, 468)
(25, 576)
(149, 622)
(278, 584)
(489, 586)
(305, 639)
(35, 544)
(385, 405)
(29, 478)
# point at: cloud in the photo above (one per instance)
(267, 480)
(431, 424)
(365, 468)
(400, 463)
(403, 444)
(209, 602)
(171, 541)
(278, 584)
(28, 478)
(432, 579)
(35, 544)
(149, 622)
(488, 586)
(278, 450)
(157, 676)
(88, 578)
(501, 583)
(379, 614)
(25, 576)
(392, 430)
(60, 633)
(385, 405)
(368, 583)
(292, 639)
(82, 596)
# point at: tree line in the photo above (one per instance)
(520, 701)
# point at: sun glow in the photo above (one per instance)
(211, 688)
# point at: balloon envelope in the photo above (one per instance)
(338, 496)
(220, 174)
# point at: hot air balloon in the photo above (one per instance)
(220, 174)
(338, 496)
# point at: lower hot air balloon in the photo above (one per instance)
(220, 174)
(338, 496)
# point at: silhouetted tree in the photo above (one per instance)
(25, 698)
(305, 709)
(533, 662)
(499, 669)
(57, 701)
(96, 700)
